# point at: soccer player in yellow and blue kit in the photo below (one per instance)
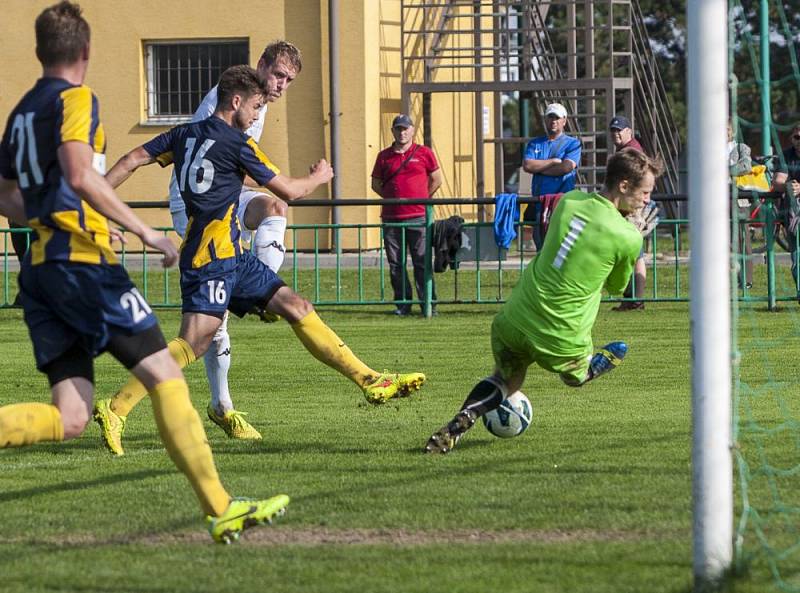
(549, 316)
(262, 219)
(77, 298)
(211, 159)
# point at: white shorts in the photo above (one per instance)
(244, 200)
(180, 221)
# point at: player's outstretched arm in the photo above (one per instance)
(125, 166)
(11, 205)
(294, 188)
(76, 164)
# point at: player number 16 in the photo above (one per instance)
(216, 292)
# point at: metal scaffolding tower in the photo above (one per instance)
(592, 56)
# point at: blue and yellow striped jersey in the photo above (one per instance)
(211, 159)
(65, 227)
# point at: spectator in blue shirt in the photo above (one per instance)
(553, 161)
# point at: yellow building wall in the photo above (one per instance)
(453, 123)
(116, 74)
(297, 130)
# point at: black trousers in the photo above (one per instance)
(415, 247)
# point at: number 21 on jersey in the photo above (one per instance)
(23, 129)
(134, 302)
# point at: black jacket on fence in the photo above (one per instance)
(446, 242)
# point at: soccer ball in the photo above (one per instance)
(511, 418)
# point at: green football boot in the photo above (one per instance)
(244, 513)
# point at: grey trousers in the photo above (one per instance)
(415, 247)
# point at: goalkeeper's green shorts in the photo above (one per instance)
(514, 352)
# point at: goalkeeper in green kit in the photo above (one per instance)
(593, 242)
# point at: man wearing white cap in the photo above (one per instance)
(553, 161)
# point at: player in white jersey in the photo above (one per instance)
(263, 221)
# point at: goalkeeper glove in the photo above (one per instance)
(645, 219)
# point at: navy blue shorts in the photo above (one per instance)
(65, 303)
(226, 285)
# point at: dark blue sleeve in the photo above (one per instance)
(256, 163)
(160, 147)
(7, 169)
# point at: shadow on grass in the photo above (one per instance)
(781, 308)
(465, 446)
(438, 466)
(733, 582)
(120, 478)
(86, 442)
(232, 447)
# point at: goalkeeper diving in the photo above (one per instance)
(592, 243)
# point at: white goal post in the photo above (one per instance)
(710, 281)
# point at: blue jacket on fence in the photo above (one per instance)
(506, 216)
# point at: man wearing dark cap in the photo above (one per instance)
(622, 134)
(405, 170)
(622, 137)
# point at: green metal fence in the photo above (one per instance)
(360, 276)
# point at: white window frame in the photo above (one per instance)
(152, 114)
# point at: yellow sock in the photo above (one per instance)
(183, 435)
(322, 342)
(25, 424)
(133, 391)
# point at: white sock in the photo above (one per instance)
(269, 242)
(218, 362)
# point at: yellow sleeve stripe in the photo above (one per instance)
(38, 246)
(164, 159)
(77, 122)
(100, 139)
(262, 157)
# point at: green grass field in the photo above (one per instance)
(595, 497)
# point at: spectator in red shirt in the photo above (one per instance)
(405, 170)
(622, 137)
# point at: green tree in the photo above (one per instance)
(784, 34)
(666, 27)
(665, 21)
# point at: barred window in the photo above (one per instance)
(180, 73)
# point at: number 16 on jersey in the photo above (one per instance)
(216, 292)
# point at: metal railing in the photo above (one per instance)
(480, 275)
